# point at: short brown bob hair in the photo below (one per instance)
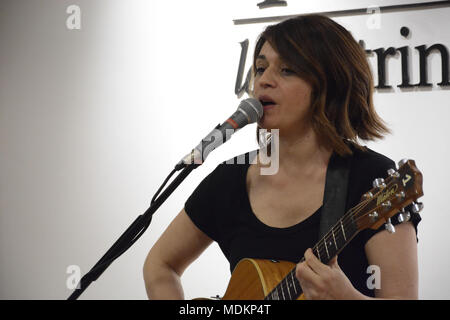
(326, 55)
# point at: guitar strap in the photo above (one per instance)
(335, 193)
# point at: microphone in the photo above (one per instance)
(249, 111)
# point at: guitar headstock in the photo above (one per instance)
(390, 196)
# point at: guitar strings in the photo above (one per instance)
(295, 285)
(344, 222)
(284, 282)
(349, 218)
(286, 285)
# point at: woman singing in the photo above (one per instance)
(316, 87)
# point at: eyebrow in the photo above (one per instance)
(261, 56)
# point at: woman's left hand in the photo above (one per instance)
(320, 281)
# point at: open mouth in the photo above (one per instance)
(266, 101)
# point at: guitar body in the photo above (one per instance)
(253, 279)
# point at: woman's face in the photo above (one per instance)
(286, 97)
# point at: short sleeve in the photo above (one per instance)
(200, 206)
(415, 218)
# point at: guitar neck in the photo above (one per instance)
(325, 249)
(379, 204)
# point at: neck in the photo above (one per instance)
(301, 152)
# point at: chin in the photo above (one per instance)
(268, 124)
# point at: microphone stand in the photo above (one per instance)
(133, 233)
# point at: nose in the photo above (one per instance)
(267, 79)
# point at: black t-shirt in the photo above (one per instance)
(220, 207)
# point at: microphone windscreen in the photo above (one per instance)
(253, 108)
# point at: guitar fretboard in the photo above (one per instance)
(399, 190)
(325, 249)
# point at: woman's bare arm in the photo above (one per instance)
(180, 244)
(396, 256)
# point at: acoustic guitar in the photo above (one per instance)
(260, 279)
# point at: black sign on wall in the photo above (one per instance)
(382, 54)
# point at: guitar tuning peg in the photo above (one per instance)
(387, 205)
(367, 195)
(393, 173)
(417, 207)
(373, 216)
(400, 195)
(389, 226)
(378, 183)
(402, 162)
(404, 216)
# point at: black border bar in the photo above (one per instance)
(383, 9)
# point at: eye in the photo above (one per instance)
(287, 71)
(259, 70)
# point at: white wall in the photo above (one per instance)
(92, 121)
